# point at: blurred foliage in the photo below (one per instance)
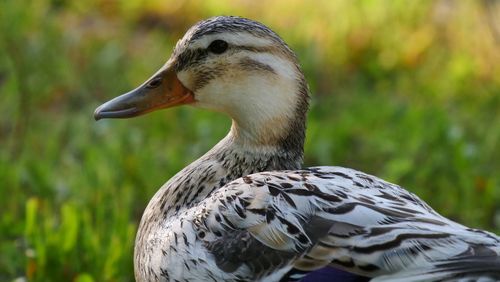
(406, 90)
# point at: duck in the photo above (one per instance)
(248, 210)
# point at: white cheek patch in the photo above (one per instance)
(275, 88)
(259, 101)
(281, 66)
(186, 79)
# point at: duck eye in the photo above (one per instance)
(218, 46)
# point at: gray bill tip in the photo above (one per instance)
(97, 114)
(101, 113)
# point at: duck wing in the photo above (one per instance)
(268, 224)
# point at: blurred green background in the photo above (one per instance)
(406, 90)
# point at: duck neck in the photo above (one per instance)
(233, 157)
(264, 152)
(281, 151)
(275, 129)
(230, 159)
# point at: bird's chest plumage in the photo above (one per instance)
(171, 251)
(168, 246)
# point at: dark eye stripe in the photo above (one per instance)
(190, 57)
(194, 57)
(253, 65)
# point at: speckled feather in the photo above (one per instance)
(246, 211)
(271, 222)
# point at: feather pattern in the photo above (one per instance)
(270, 222)
(350, 220)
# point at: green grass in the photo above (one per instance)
(408, 91)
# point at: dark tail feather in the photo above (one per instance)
(325, 274)
(483, 266)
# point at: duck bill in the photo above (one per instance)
(163, 90)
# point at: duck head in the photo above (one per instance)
(232, 65)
